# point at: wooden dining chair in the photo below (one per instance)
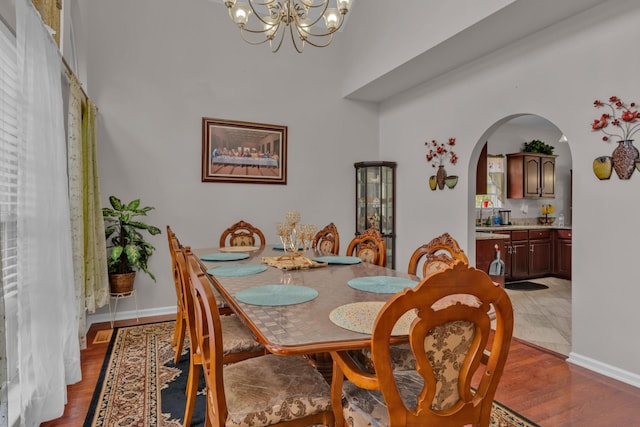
(327, 240)
(370, 247)
(438, 254)
(242, 234)
(238, 343)
(179, 332)
(263, 391)
(459, 361)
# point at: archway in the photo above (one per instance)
(542, 317)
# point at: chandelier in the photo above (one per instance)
(307, 21)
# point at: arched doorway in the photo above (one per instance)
(542, 317)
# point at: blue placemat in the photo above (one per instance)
(381, 284)
(276, 295)
(236, 270)
(336, 259)
(224, 256)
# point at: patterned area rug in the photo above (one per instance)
(140, 386)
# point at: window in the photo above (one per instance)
(8, 217)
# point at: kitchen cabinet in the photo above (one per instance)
(528, 254)
(486, 254)
(540, 253)
(481, 172)
(519, 249)
(375, 202)
(531, 176)
(562, 249)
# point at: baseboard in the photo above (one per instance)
(605, 369)
(131, 314)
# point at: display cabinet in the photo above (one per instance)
(375, 202)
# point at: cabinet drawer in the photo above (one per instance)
(564, 234)
(519, 235)
(539, 234)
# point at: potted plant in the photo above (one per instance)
(537, 146)
(127, 250)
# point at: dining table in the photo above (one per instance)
(337, 301)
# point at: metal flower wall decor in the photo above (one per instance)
(438, 154)
(619, 122)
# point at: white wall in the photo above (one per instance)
(156, 67)
(555, 74)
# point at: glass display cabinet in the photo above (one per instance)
(375, 202)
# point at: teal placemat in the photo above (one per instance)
(236, 270)
(224, 256)
(281, 248)
(336, 259)
(274, 295)
(381, 284)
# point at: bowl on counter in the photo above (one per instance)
(546, 220)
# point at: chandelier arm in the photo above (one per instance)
(251, 42)
(300, 14)
(311, 42)
(293, 39)
(281, 33)
(257, 15)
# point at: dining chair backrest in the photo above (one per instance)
(242, 234)
(180, 329)
(459, 361)
(327, 240)
(370, 247)
(440, 253)
(209, 337)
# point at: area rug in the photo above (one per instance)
(525, 286)
(140, 386)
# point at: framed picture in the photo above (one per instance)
(234, 151)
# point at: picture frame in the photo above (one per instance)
(243, 152)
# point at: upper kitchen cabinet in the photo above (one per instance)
(531, 176)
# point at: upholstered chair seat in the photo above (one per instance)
(273, 389)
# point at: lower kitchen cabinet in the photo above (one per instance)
(519, 254)
(528, 254)
(562, 267)
(540, 253)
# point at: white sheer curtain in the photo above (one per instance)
(49, 354)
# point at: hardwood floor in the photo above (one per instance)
(538, 384)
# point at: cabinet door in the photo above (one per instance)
(548, 177)
(531, 176)
(481, 172)
(519, 259)
(563, 254)
(540, 257)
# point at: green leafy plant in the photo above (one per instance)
(127, 249)
(537, 146)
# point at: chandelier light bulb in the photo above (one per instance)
(331, 19)
(241, 14)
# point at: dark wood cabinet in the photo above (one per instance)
(486, 254)
(562, 267)
(540, 253)
(481, 172)
(519, 254)
(531, 176)
(528, 254)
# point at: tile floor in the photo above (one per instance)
(543, 317)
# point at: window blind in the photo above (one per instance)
(8, 219)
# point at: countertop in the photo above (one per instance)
(488, 232)
(491, 236)
(492, 228)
